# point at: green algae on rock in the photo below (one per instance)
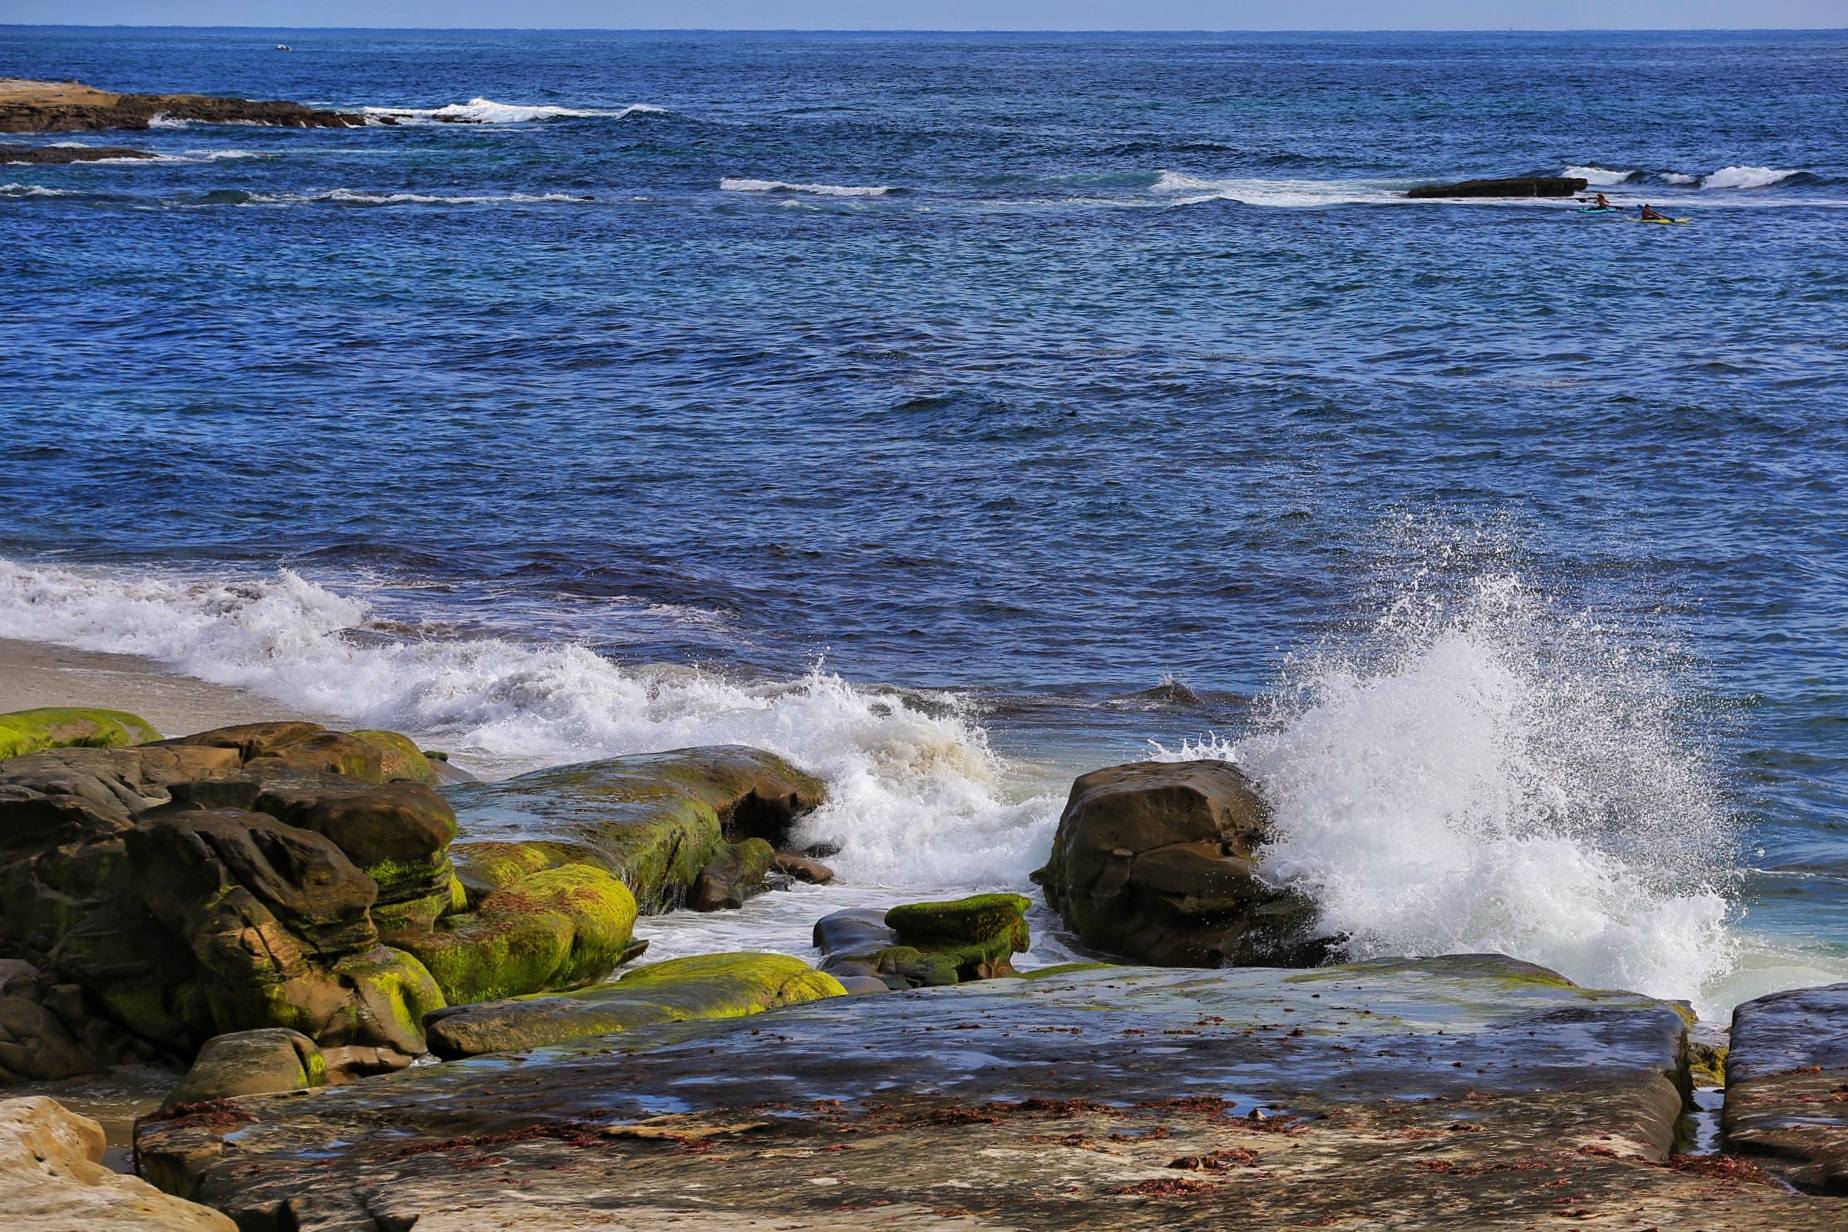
(701, 987)
(58, 727)
(655, 820)
(399, 756)
(553, 929)
(926, 944)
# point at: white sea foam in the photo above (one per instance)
(1679, 180)
(731, 184)
(487, 111)
(351, 197)
(35, 190)
(1191, 190)
(1599, 177)
(916, 796)
(1488, 773)
(1745, 177)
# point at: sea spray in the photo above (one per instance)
(916, 796)
(1484, 771)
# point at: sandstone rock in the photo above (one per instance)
(1787, 1087)
(1520, 186)
(401, 758)
(553, 929)
(734, 873)
(655, 820)
(925, 944)
(52, 1179)
(1157, 861)
(55, 727)
(265, 1061)
(1459, 1093)
(705, 986)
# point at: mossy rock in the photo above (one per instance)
(393, 993)
(60, 727)
(553, 929)
(400, 758)
(705, 986)
(263, 1061)
(978, 918)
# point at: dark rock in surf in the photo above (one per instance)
(1158, 861)
(1519, 186)
(58, 154)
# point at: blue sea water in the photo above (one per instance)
(957, 412)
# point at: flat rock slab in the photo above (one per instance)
(1787, 1087)
(1465, 1092)
(55, 154)
(69, 106)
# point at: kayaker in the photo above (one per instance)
(1650, 215)
(1602, 203)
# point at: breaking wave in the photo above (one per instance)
(1600, 177)
(1488, 772)
(1191, 190)
(916, 795)
(731, 184)
(1746, 177)
(487, 111)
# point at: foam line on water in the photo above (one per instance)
(917, 798)
(736, 184)
(487, 111)
(1488, 773)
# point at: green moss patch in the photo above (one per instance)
(63, 727)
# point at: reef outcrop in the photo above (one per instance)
(1787, 1087)
(1517, 186)
(917, 945)
(1158, 862)
(52, 1179)
(71, 107)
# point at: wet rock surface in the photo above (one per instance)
(1158, 861)
(1787, 1087)
(701, 987)
(1460, 1092)
(69, 107)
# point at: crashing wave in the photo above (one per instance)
(1600, 177)
(732, 184)
(1746, 177)
(487, 111)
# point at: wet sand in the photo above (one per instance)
(37, 674)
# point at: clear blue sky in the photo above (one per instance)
(949, 14)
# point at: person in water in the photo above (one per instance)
(1650, 215)
(1602, 203)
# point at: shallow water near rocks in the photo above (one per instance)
(923, 408)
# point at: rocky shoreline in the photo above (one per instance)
(294, 915)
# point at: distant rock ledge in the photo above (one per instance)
(1520, 186)
(71, 107)
(67, 153)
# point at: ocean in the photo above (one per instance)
(954, 414)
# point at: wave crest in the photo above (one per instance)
(734, 184)
(487, 111)
(1746, 177)
(916, 795)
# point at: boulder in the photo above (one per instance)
(57, 727)
(1519, 186)
(655, 820)
(52, 1179)
(1158, 861)
(553, 929)
(1461, 1092)
(705, 986)
(400, 758)
(1787, 1087)
(801, 868)
(735, 873)
(260, 1062)
(925, 944)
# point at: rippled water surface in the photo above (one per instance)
(626, 378)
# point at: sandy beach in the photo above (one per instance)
(36, 674)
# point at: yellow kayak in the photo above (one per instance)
(1663, 221)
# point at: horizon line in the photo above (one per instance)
(958, 30)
